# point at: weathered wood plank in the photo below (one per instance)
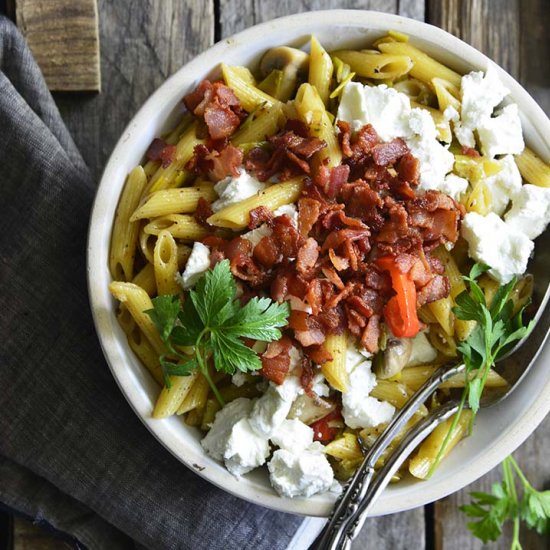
(143, 42)
(63, 36)
(512, 34)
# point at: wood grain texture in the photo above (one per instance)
(143, 43)
(63, 37)
(513, 34)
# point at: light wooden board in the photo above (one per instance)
(63, 37)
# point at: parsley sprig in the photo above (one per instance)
(493, 510)
(213, 322)
(497, 327)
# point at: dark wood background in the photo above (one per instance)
(142, 42)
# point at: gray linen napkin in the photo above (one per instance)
(71, 450)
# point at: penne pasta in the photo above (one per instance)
(180, 226)
(425, 68)
(146, 354)
(345, 448)
(442, 310)
(335, 370)
(376, 65)
(170, 399)
(421, 463)
(249, 96)
(145, 279)
(237, 216)
(125, 231)
(138, 302)
(174, 201)
(266, 122)
(166, 264)
(320, 70)
(533, 169)
(448, 95)
(196, 397)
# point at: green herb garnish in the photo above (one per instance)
(503, 504)
(497, 327)
(213, 322)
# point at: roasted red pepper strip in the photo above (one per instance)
(326, 429)
(400, 311)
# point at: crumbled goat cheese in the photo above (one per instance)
(391, 115)
(301, 474)
(319, 387)
(197, 263)
(453, 185)
(422, 351)
(293, 435)
(530, 212)
(355, 356)
(493, 242)
(480, 93)
(504, 185)
(232, 190)
(274, 405)
(501, 135)
(245, 449)
(215, 441)
(358, 408)
(239, 379)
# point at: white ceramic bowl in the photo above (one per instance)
(498, 431)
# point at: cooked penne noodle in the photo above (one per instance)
(335, 370)
(419, 92)
(174, 201)
(443, 311)
(448, 95)
(266, 122)
(480, 199)
(344, 448)
(147, 244)
(249, 96)
(174, 174)
(211, 408)
(442, 125)
(414, 377)
(375, 65)
(146, 354)
(421, 463)
(533, 169)
(170, 399)
(166, 264)
(425, 68)
(442, 341)
(311, 109)
(125, 232)
(138, 302)
(183, 254)
(320, 69)
(180, 226)
(196, 398)
(237, 216)
(145, 279)
(395, 393)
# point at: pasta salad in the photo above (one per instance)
(311, 242)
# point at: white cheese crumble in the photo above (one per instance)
(301, 474)
(232, 190)
(239, 379)
(480, 93)
(504, 185)
(501, 135)
(358, 408)
(197, 263)
(495, 243)
(530, 212)
(454, 186)
(232, 439)
(293, 435)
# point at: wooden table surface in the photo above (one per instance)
(142, 42)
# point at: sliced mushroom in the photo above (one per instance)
(309, 409)
(392, 360)
(292, 62)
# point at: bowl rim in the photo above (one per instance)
(97, 259)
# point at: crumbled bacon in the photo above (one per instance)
(219, 107)
(215, 164)
(259, 215)
(160, 150)
(308, 254)
(318, 354)
(385, 154)
(290, 155)
(437, 287)
(469, 151)
(307, 375)
(203, 212)
(276, 360)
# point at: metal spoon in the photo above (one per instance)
(352, 507)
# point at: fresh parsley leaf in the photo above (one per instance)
(213, 322)
(504, 504)
(164, 314)
(474, 395)
(259, 319)
(477, 270)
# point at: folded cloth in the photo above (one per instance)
(72, 452)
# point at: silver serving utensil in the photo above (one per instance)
(352, 507)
